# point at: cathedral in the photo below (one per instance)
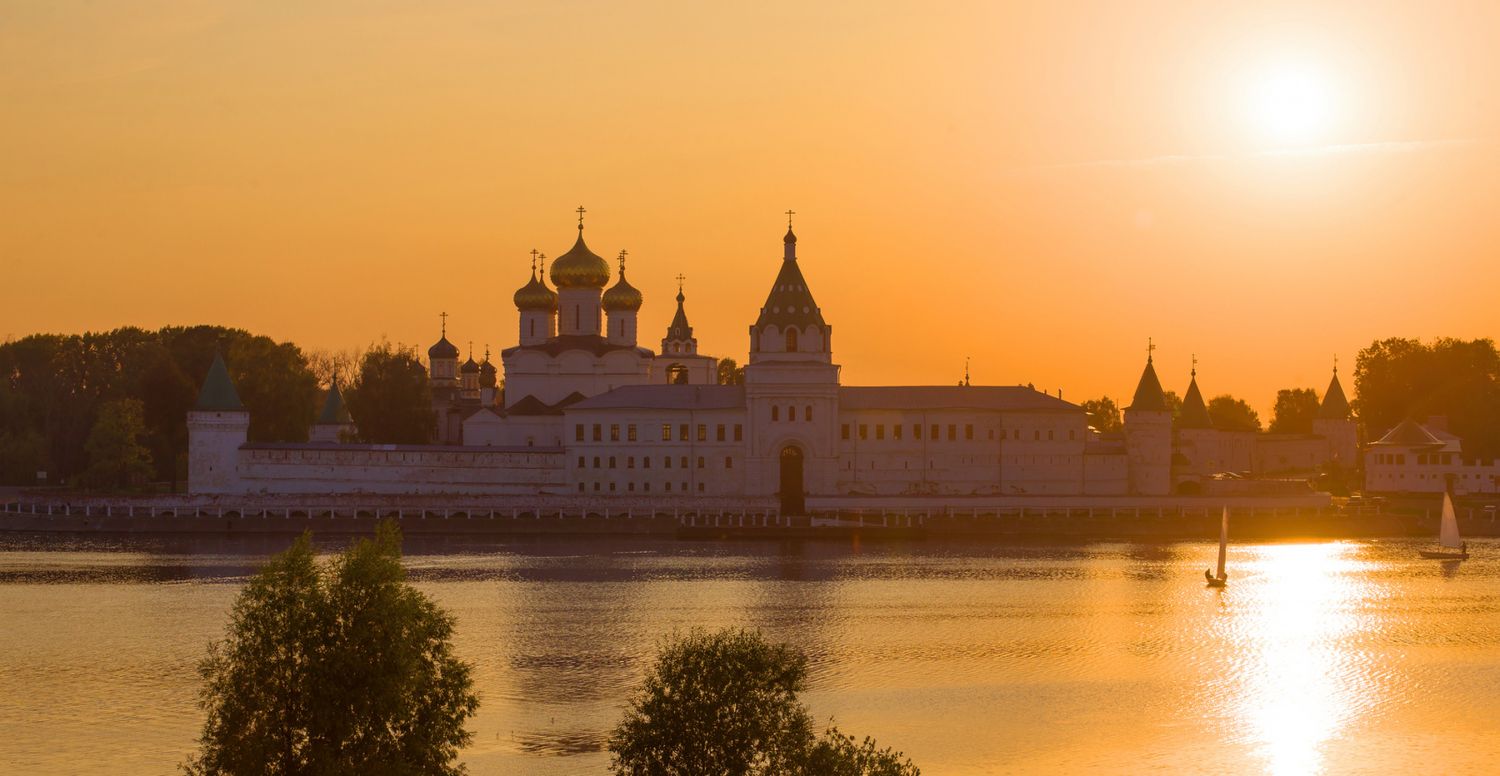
(587, 412)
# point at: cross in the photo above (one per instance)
(789, 215)
(542, 262)
(623, 254)
(533, 261)
(680, 278)
(471, 350)
(444, 316)
(1150, 346)
(1335, 363)
(1195, 365)
(581, 211)
(486, 351)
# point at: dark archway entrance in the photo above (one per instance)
(791, 481)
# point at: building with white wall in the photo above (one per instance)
(587, 410)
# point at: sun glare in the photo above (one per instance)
(1292, 105)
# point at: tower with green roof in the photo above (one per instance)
(218, 425)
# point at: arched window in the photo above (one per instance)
(677, 374)
(577, 317)
(807, 412)
(533, 327)
(791, 340)
(622, 327)
(775, 412)
(791, 412)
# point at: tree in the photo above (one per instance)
(730, 373)
(169, 394)
(117, 459)
(333, 668)
(389, 398)
(277, 387)
(1103, 415)
(1296, 408)
(1174, 404)
(1231, 414)
(1399, 378)
(725, 704)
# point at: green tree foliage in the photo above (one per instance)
(1103, 415)
(117, 459)
(389, 399)
(1174, 404)
(54, 386)
(1231, 414)
(334, 668)
(1399, 378)
(1296, 408)
(730, 373)
(725, 704)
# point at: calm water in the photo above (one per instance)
(1319, 658)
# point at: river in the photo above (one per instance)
(1332, 657)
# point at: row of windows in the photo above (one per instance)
(935, 432)
(666, 462)
(645, 487)
(791, 412)
(721, 432)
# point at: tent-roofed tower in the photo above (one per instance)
(791, 389)
(680, 362)
(1148, 434)
(334, 423)
(1199, 449)
(1335, 423)
(218, 425)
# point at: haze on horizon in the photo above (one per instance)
(1040, 188)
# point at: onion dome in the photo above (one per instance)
(535, 295)
(488, 377)
(443, 349)
(470, 367)
(622, 296)
(580, 267)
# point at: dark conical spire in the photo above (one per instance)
(680, 330)
(790, 303)
(1335, 405)
(218, 394)
(1194, 411)
(334, 412)
(1148, 393)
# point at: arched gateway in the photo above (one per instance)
(791, 481)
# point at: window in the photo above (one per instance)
(968, 431)
(682, 486)
(1049, 435)
(700, 487)
(580, 462)
(682, 432)
(880, 431)
(611, 462)
(932, 433)
(669, 487)
(739, 433)
(596, 462)
(580, 487)
(630, 462)
(702, 432)
(864, 431)
(719, 432)
(645, 462)
(896, 430)
(807, 412)
(630, 432)
(533, 327)
(775, 412)
(596, 487)
(666, 432)
(646, 487)
(728, 462)
(844, 431)
(614, 432)
(683, 461)
(630, 487)
(611, 487)
(578, 433)
(598, 433)
(791, 412)
(791, 340)
(1036, 436)
(700, 462)
(916, 431)
(667, 461)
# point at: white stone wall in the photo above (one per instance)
(214, 440)
(1148, 445)
(314, 469)
(635, 452)
(1401, 470)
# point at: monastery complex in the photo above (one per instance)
(588, 410)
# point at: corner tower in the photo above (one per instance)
(218, 424)
(1335, 423)
(1148, 435)
(791, 391)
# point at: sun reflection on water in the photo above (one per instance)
(1296, 609)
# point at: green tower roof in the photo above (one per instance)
(1148, 393)
(218, 392)
(1194, 411)
(334, 412)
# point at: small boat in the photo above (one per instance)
(1453, 546)
(1220, 579)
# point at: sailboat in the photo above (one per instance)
(1453, 546)
(1221, 578)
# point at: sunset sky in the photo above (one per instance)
(1040, 187)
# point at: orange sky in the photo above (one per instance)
(1036, 186)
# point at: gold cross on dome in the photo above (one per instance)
(444, 316)
(581, 211)
(680, 278)
(623, 254)
(789, 214)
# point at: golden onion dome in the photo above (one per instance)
(535, 295)
(580, 267)
(622, 296)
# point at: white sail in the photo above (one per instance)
(1448, 536)
(1224, 541)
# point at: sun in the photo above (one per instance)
(1292, 105)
